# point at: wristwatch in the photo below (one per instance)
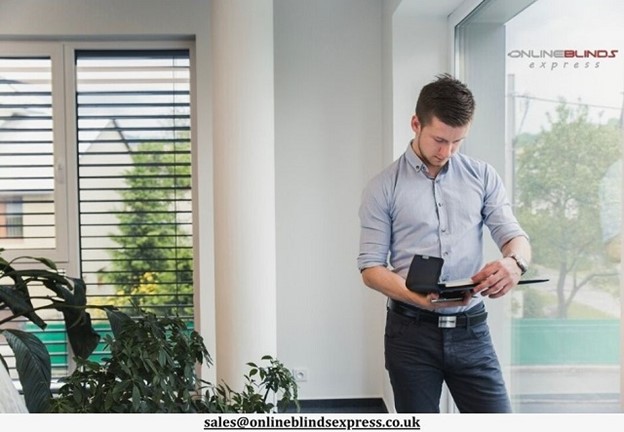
(522, 264)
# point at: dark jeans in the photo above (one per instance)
(420, 357)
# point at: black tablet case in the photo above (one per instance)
(424, 274)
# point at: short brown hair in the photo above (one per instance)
(448, 99)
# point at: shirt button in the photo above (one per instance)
(439, 204)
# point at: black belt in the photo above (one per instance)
(464, 319)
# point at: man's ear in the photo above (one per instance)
(416, 125)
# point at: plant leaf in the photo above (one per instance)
(117, 320)
(60, 285)
(82, 337)
(3, 362)
(47, 262)
(19, 303)
(33, 367)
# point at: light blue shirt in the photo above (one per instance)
(405, 212)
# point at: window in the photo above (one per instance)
(27, 216)
(13, 221)
(121, 174)
(555, 82)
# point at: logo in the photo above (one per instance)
(563, 58)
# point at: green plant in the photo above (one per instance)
(560, 208)
(41, 282)
(153, 363)
(275, 380)
(154, 250)
(153, 368)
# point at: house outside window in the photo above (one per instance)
(12, 220)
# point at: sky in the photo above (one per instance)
(567, 25)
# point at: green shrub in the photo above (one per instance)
(153, 368)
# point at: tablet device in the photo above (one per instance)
(423, 277)
(453, 291)
(463, 284)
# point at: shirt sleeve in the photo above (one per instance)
(497, 211)
(375, 225)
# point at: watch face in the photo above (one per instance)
(521, 263)
(523, 267)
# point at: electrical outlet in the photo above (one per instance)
(300, 374)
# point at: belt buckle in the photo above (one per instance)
(445, 321)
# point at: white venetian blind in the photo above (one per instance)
(27, 213)
(134, 178)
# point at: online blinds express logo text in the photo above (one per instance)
(563, 58)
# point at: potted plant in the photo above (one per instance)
(153, 363)
(263, 384)
(40, 280)
(153, 367)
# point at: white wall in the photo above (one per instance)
(328, 144)
(420, 52)
(336, 127)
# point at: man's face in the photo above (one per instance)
(436, 142)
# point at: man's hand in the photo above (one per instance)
(497, 278)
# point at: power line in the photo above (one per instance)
(558, 101)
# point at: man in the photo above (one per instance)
(435, 201)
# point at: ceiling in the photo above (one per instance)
(425, 8)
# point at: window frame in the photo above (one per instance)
(65, 140)
(71, 151)
(26, 49)
(62, 53)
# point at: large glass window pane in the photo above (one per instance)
(565, 93)
(558, 78)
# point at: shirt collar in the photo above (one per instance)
(414, 160)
